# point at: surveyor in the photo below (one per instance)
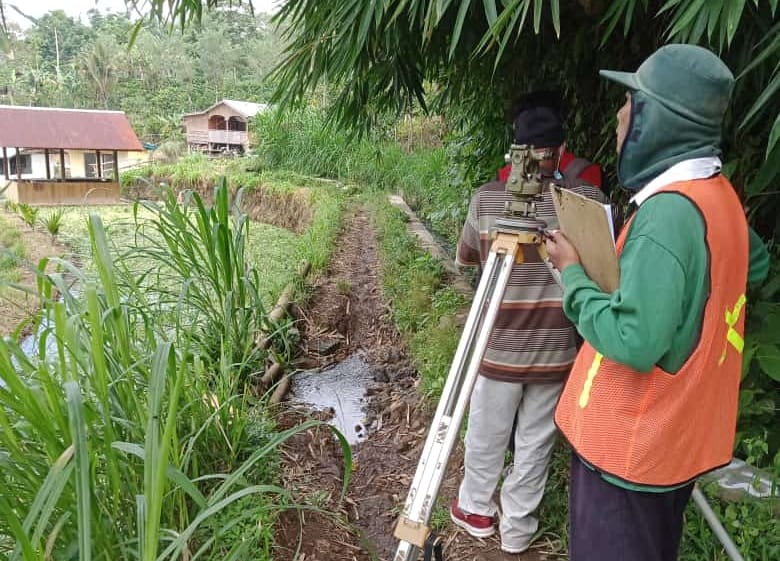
(568, 164)
(530, 351)
(651, 401)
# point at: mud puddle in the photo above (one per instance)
(339, 390)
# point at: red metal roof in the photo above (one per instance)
(70, 129)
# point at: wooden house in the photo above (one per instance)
(53, 156)
(222, 128)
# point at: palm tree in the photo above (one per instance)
(99, 67)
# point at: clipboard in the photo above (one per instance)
(588, 226)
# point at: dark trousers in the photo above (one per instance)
(609, 523)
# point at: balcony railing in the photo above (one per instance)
(216, 137)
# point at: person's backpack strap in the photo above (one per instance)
(573, 171)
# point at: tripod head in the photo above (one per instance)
(525, 184)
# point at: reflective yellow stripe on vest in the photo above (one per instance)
(733, 336)
(592, 371)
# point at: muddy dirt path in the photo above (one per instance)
(347, 316)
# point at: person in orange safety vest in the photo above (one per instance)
(651, 401)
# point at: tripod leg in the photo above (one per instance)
(412, 527)
(717, 528)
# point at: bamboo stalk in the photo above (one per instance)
(281, 390)
(263, 340)
(271, 374)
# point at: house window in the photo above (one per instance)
(217, 123)
(236, 124)
(90, 164)
(24, 161)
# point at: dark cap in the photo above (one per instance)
(540, 127)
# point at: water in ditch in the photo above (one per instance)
(340, 389)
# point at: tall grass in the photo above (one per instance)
(12, 250)
(207, 287)
(302, 141)
(124, 431)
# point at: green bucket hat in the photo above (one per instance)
(689, 80)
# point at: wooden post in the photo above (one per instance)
(116, 166)
(62, 164)
(18, 165)
(48, 164)
(5, 164)
(99, 166)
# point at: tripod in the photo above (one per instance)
(518, 227)
(412, 528)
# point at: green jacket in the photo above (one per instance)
(655, 316)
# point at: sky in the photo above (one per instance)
(79, 8)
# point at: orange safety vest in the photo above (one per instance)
(665, 429)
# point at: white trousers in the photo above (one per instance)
(493, 408)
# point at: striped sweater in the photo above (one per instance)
(532, 340)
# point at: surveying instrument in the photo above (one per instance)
(518, 227)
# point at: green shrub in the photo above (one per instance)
(29, 214)
(12, 250)
(53, 221)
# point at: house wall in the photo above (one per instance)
(42, 192)
(75, 164)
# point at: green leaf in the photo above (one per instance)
(78, 433)
(736, 8)
(537, 15)
(715, 8)
(680, 24)
(49, 495)
(763, 100)
(774, 135)
(364, 26)
(611, 18)
(462, 11)
(666, 7)
(629, 17)
(515, 14)
(134, 35)
(769, 359)
(555, 9)
(491, 13)
(773, 49)
(175, 475)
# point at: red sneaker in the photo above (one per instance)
(475, 524)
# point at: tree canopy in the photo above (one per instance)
(467, 59)
(60, 61)
(461, 58)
